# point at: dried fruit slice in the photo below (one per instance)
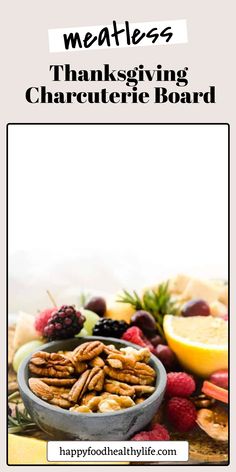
(214, 422)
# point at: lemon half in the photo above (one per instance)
(199, 342)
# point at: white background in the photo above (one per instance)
(103, 207)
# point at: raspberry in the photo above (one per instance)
(136, 336)
(182, 413)
(42, 318)
(179, 384)
(157, 433)
(64, 323)
(143, 436)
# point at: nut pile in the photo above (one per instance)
(94, 378)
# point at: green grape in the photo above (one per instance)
(82, 334)
(90, 320)
(24, 351)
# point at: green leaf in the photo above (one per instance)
(157, 302)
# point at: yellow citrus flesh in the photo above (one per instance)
(199, 342)
(25, 450)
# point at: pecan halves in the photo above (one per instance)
(130, 359)
(143, 390)
(79, 366)
(49, 358)
(61, 402)
(79, 387)
(51, 371)
(110, 349)
(119, 388)
(53, 395)
(90, 380)
(87, 351)
(144, 370)
(129, 376)
(120, 361)
(87, 397)
(40, 389)
(48, 364)
(97, 362)
(115, 363)
(58, 382)
(96, 380)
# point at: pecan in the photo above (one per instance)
(143, 389)
(129, 376)
(139, 400)
(49, 358)
(115, 363)
(87, 351)
(51, 371)
(40, 389)
(96, 379)
(110, 349)
(50, 364)
(119, 388)
(144, 370)
(120, 361)
(92, 362)
(61, 402)
(87, 397)
(58, 382)
(79, 387)
(60, 391)
(53, 395)
(97, 362)
(80, 367)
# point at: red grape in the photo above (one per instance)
(157, 340)
(220, 378)
(145, 321)
(97, 305)
(166, 356)
(196, 307)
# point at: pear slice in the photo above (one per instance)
(25, 330)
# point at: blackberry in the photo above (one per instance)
(64, 323)
(110, 328)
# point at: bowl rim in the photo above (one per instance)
(23, 386)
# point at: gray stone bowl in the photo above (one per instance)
(65, 425)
